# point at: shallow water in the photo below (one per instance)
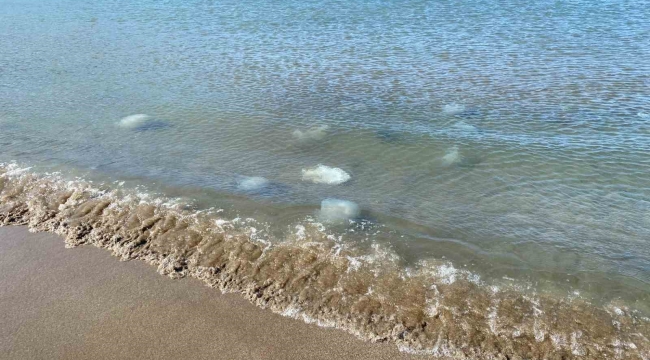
(510, 139)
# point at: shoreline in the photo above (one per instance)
(436, 310)
(58, 303)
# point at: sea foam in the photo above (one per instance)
(322, 174)
(336, 210)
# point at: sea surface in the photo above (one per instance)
(505, 140)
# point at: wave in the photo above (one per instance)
(312, 275)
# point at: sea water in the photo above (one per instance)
(509, 142)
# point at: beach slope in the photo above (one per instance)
(82, 303)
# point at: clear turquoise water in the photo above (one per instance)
(512, 139)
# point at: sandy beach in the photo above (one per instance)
(82, 303)
(325, 179)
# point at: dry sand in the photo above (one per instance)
(82, 303)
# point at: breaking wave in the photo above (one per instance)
(313, 275)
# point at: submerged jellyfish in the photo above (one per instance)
(322, 174)
(336, 210)
(141, 122)
(252, 183)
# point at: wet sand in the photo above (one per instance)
(82, 303)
